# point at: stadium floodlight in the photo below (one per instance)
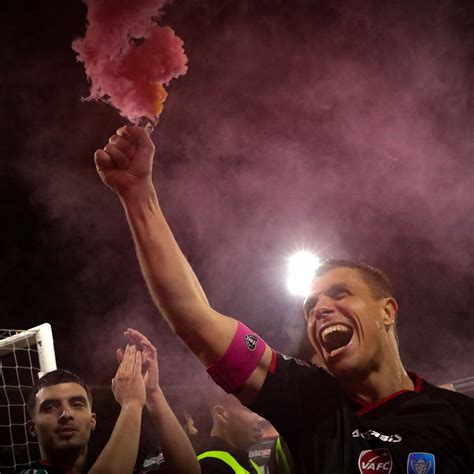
(301, 268)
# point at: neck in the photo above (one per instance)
(73, 461)
(220, 432)
(386, 379)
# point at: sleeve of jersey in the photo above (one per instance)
(293, 393)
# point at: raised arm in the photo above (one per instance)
(120, 453)
(178, 452)
(125, 166)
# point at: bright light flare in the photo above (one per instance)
(301, 266)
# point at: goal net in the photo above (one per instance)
(25, 355)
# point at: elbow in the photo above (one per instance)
(190, 336)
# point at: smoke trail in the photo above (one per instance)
(127, 57)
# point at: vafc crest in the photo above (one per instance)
(375, 461)
(421, 463)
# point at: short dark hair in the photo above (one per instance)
(376, 279)
(55, 377)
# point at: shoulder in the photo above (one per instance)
(291, 361)
(460, 405)
(211, 443)
(214, 466)
(292, 373)
(455, 399)
(217, 456)
(213, 454)
(283, 363)
(293, 392)
(298, 373)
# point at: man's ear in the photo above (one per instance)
(219, 413)
(390, 309)
(31, 428)
(93, 421)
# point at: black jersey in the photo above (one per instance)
(272, 456)
(262, 454)
(428, 430)
(43, 467)
(153, 462)
(213, 465)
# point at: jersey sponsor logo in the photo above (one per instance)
(371, 434)
(262, 453)
(375, 461)
(154, 460)
(251, 341)
(421, 463)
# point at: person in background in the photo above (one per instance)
(60, 408)
(189, 426)
(234, 429)
(270, 452)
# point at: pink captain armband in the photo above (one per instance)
(240, 360)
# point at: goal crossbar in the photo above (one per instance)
(41, 336)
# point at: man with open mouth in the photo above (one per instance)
(362, 412)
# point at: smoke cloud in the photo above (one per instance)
(343, 130)
(128, 57)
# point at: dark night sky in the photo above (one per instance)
(342, 127)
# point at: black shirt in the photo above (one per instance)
(328, 432)
(43, 467)
(153, 462)
(264, 453)
(216, 466)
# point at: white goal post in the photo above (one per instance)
(41, 336)
(25, 355)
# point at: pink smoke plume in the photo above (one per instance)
(128, 57)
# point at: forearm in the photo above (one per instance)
(177, 449)
(166, 270)
(171, 280)
(120, 453)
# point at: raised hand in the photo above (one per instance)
(149, 358)
(127, 160)
(128, 384)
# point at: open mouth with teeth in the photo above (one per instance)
(336, 337)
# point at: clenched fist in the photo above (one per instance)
(127, 160)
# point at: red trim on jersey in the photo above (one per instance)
(417, 380)
(273, 363)
(371, 406)
(368, 406)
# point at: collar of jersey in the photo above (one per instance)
(365, 406)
